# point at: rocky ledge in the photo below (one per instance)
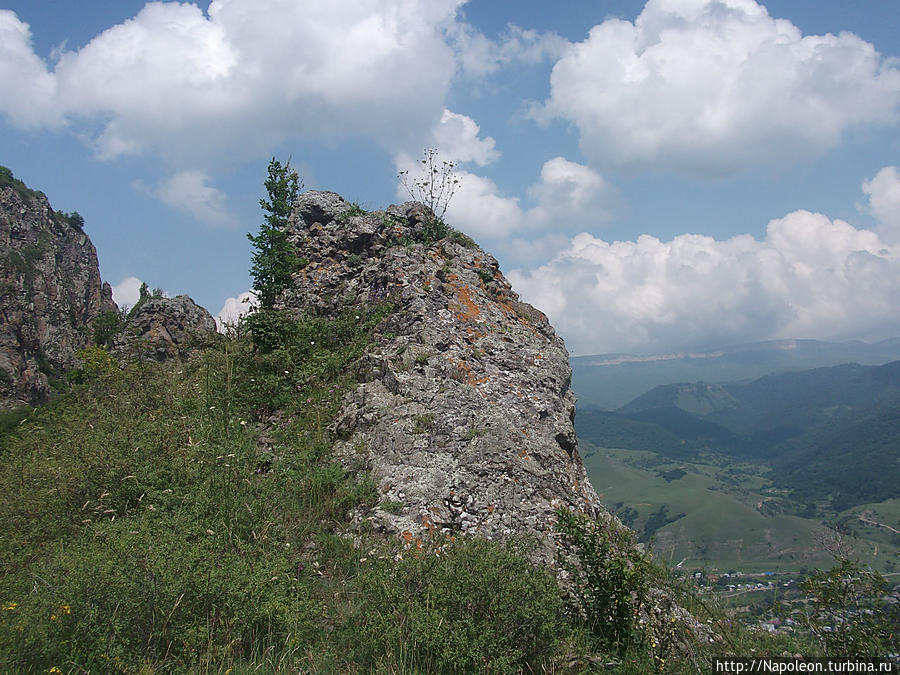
(466, 413)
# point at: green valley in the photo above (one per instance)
(778, 473)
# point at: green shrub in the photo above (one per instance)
(97, 366)
(157, 590)
(463, 240)
(16, 262)
(73, 219)
(609, 577)
(387, 220)
(391, 506)
(474, 432)
(433, 230)
(423, 423)
(292, 355)
(354, 210)
(10, 419)
(142, 525)
(106, 326)
(270, 328)
(467, 606)
(848, 614)
(32, 254)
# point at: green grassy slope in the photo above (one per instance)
(729, 517)
(189, 518)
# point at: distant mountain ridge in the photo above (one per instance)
(797, 401)
(831, 435)
(609, 381)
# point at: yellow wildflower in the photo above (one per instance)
(10, 606)
(54, 669)
(66, 609)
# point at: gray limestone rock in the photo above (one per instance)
(466, 414)
(167, 328)
(50, 293)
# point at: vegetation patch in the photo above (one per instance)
(463, 240)
(354, 210)
(7, 179)
(106, 326)
(15, 261)
(423, 423)
(73, 219)
(455, 606)
(849, 614)
(175, 541)
(486, 276)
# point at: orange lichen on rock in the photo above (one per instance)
(464, 373)
(468, 309)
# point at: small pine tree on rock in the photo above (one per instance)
(274, 260)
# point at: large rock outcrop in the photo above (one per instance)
(466, 417)
(50, 292)
(166, 328)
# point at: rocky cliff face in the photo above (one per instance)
(466, 417)
(50, 292)
(166, 328)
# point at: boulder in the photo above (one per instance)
(166, 328)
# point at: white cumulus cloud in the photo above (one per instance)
(481, 211)
(190, 191)
(809, 277)
(234, 308)
(235, 80)
(29, 90)
(884, 202)
(716, 85)
(479, 55)
(127, 292)
(569, 196)
(458, 139)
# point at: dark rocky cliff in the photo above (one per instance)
(466, 417)
(50, 293)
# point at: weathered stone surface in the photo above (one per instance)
(466, 417)
(50, 292)
(167, 328)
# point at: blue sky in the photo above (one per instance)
(658, 176)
